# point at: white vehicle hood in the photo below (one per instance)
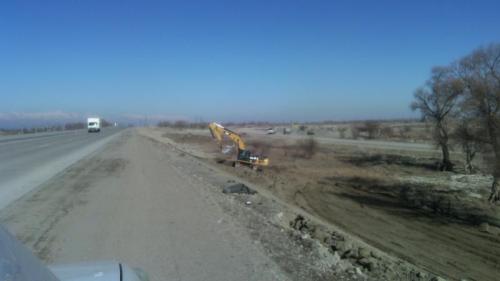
(96, 271)
(17, 263)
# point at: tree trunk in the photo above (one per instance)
(495, 192)
(469, 168)
(469, 155)
(494, 195)
(446, 165)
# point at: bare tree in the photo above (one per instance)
(180, 124)
(74, 126)
(342, 132)
(387, 132)
(372, 128)
(355, 132)
(480, 73)
(307, 148)
(404, 132)
(164, 124)
(105, 123)
(436, 102)
(465, 135)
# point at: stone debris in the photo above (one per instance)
(238, 188)
(484, 227)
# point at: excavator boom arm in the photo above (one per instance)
(218, 132)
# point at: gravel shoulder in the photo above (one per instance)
(146, 203)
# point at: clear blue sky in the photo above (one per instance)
(231, 60)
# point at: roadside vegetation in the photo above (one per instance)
(466, 92)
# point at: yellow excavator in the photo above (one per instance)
(244, 156)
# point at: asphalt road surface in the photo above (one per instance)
(133, 202)
(29, 160)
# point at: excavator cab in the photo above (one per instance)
(244, 155)
(247, 158)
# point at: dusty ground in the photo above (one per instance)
(395, 201)
(143, 201)
(410, 132)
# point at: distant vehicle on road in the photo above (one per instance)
(271, 131)
(93, 124)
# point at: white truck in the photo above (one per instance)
(93, 124)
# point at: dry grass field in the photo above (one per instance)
(396, 200)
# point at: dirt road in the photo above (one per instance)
(363, 194)
(133, 203)
(360, 143)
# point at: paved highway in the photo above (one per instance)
(29, 160)
(142, 203)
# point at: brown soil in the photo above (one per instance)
(425, 223)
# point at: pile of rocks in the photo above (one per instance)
(347, 250)
(363, 261)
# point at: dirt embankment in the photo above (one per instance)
(396, 202)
